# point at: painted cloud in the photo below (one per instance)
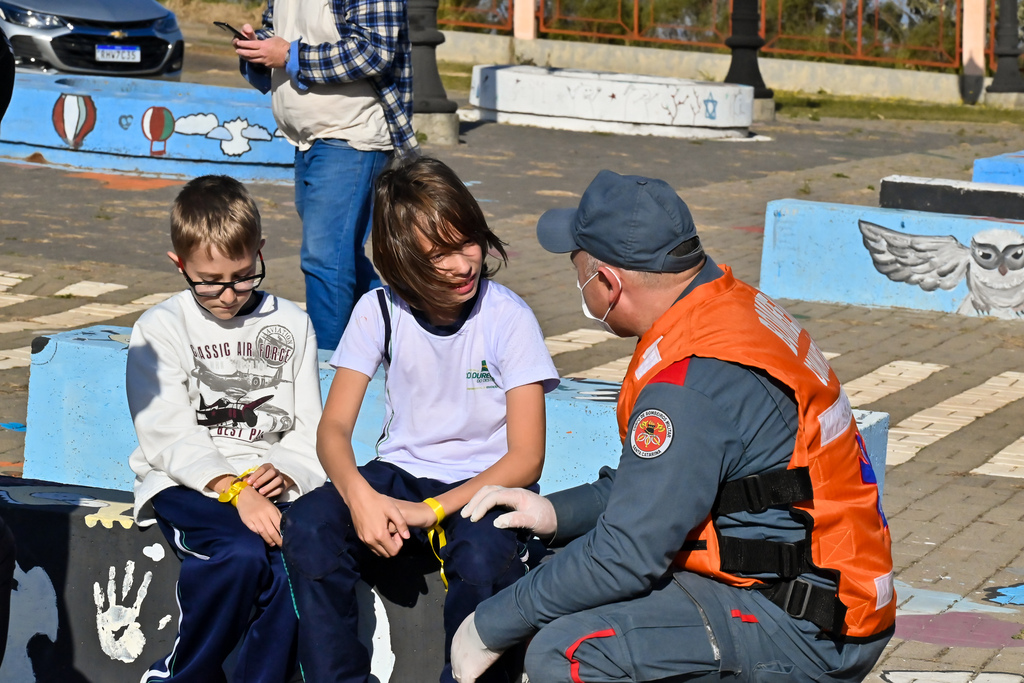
(196, 124)
(256, 132)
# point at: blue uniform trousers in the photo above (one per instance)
(232, 586)
(697, 630)
(325, 559)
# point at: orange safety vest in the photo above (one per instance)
(848, 536)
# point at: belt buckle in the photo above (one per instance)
(806, 600)
(755, 495)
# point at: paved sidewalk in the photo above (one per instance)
(958, 535)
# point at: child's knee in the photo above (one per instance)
(316, 534)
(245, 554)
(488, 558)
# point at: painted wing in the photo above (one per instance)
(924, 260)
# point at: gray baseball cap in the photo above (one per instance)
(627, 221)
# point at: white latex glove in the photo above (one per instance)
(530, 510)
(470, 657)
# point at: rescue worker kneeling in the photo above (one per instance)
(742, 533)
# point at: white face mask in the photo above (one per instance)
(586, 311)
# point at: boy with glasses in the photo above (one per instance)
(224, 391)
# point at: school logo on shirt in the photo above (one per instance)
(476, 378)
(652, 434)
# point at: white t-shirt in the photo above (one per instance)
(211, 397)
(445, 407)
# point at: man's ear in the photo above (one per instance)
(178, 263)
(613, 281)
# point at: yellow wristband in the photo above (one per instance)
(230, 494)
(437, 508)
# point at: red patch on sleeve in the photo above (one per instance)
(673, 374)
(745, 618)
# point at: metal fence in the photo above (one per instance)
(477, 14)
(904, 32)
(917, 33)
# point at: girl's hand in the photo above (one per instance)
(269, 481)
(417, 514)
(378, 522)
(260, 515)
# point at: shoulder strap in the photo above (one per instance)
(382, 299)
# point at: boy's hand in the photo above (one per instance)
(260, 515)
(416, 514)
(269, 481)
(378, 522)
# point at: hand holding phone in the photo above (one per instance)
(231, 29)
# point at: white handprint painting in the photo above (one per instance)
(120, 634)
(33, 612)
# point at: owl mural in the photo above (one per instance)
(993, 266)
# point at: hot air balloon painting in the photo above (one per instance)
(157, 126)
(74, 117)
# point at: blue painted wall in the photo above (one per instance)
(80, 431)
(815, 251)
(158, 127)
(1005, 169)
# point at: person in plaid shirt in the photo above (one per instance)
(340, 78)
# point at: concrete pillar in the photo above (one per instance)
(972, 77)
(524, 19)
(433, 113)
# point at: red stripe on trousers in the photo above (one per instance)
(574, 666)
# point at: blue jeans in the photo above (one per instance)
(334, 199)
(325, 559)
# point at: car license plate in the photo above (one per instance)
(118, 53)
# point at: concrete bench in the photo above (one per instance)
(598, 101)
(1005, 169)
(938, 195)
(869, 256)
(95, 601)
(148, 126)
(77, 536)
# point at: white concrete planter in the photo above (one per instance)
(594, 101)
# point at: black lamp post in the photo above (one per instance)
(428, 95)
(745, 41)
(1007, 78)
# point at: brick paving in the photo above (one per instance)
(956, 528)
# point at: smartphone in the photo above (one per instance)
(231, 29)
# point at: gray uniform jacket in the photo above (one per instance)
(624, 530)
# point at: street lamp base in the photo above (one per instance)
(764, 109)
(1004, 100)
(437, 129)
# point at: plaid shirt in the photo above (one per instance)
(374, 46)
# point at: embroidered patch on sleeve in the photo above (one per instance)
(652, 434)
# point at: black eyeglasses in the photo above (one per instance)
(210, 290)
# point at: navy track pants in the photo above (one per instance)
(232, 586)
(326, 559)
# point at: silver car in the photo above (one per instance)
(105, 37)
